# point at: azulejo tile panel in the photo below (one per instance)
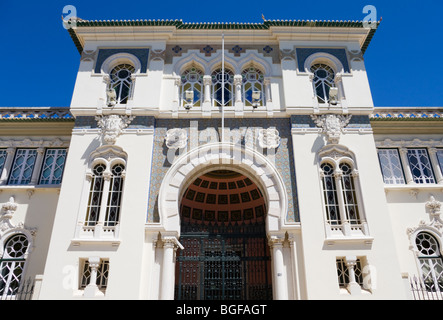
(283, 158)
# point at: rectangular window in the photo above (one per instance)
(390, 165)
(3, 155)
(343, 272)
(53, 165)
(420, 166)
(440, 159)
(23, 166)
(102, 274)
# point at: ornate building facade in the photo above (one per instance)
(205, 161)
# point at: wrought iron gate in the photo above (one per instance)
(223, 263)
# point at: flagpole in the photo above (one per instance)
(223, 89)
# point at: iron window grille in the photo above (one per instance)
(12, 265)
(3, 155)
(330, 195)
(115, 194)
(391, 167)
(252, 80)
(95, 195)
(101, 278)
(53, 166)
(420, 166)
(440, 159)
(349, 195)
(23, 166)
(217, 90)
(121, 82)
(343, 272)
(430, 261)
(192, 80)
(323, 81)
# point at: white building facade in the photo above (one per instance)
(205, 161)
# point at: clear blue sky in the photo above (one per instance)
(40, 61)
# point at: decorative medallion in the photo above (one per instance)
(269, 138)
(176, 138)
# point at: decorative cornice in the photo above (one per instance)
(407, 114)
(35, 114)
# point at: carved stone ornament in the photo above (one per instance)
(112, 126)
(435, 221)
(332, 125)
(269, 138)
(176, 138)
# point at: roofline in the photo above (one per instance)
(179, 24)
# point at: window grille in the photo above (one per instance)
(115, 193)
(102, 274)
(343, 272)
(121, 82)
(323, 81)
(192, 80)
(95, 195)
(431, 262)
(3, 155)
(252, 79)
(349, 196)
(12, 265)
(53, 165)
(391, 166)
(439, 159)
(217, 87)
(23, 166)
(330, 195)
(420, 166)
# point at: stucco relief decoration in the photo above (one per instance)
(434, 211)
(269, 138)
(332, 125)
(176, 138)
(112, 126)
(8, 209)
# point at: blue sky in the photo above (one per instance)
(40, 61)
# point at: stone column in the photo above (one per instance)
(353, 287)
(170, 245)
(92, 288)
(280, 285)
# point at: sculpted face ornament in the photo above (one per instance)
(112, 126)
(332, 125)
(176, 138)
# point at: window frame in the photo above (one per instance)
(53, 166)
(421, 179)
(20, 180)
(392, 179)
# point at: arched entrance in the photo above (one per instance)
(225, 254)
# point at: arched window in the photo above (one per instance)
(12, 264)
(121, 82)
(430, 260)
(330, 194)
(95, 195)
(323, 80)
(192, 80)
(252, 80)
(349, 196)
(114, 197)
(344, 214)
(217, 77)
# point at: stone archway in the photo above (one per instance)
(222, 156)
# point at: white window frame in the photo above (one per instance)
(94, 273)
(187, 82)
(429, 263)
(425, 169)
(53, 167)
(392, 168)
(16, 264)
(217, 85)
(27, 153)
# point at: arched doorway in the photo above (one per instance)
(225, 255)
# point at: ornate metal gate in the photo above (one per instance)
(222, 262)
